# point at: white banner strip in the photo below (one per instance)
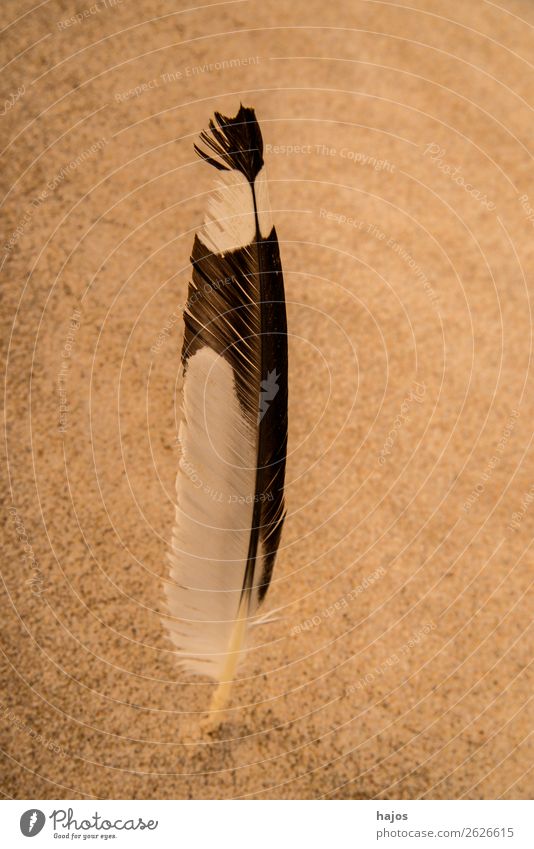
(270, 824)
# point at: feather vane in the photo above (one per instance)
(233, 433)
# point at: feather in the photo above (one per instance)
(233, 432)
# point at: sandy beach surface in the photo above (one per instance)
(398, 146)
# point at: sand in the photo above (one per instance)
(397, 146)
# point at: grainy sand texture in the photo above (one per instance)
(399, 152)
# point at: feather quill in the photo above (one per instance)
(233, 433)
